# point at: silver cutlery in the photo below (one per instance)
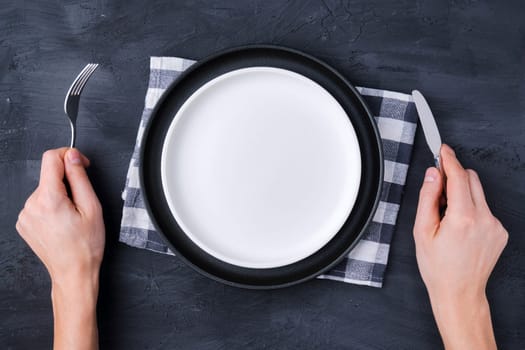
(73, 97)
(430, 128)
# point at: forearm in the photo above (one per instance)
(74, 310)
(465, 323)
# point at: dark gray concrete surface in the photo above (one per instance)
(466, 56)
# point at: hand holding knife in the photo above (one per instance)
(443, 245)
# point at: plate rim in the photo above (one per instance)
(197, 65)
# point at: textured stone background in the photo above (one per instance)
(466, 56)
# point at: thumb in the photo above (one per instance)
(84, 196)
(427, 217)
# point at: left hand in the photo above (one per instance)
(67, 234)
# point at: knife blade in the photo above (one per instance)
(429, 126)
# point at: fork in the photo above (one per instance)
(73, 97)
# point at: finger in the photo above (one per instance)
(427, 217)
(52, 173)
(84, 196)
(52, 170)
(85, 161)
(476, 190)
(458, 187)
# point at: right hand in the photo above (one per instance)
(457, 253)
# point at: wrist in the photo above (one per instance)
(74, 302)
(463, 320)
(453, 301)
(75, 290)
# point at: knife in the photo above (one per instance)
(429, 126)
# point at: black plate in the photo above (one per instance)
(371, 157)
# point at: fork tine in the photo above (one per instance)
(74, 85)
(86, 78)
(83, 78)
(91, 70)
(77, 85)
(79, 76)
(82, 81)
(77, 80)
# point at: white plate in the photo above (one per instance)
(261, 167)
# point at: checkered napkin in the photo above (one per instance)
(396, 118)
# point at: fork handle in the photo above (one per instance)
(73, 134)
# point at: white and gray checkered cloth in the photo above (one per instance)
(396, 118)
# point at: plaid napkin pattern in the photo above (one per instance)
(396, 118)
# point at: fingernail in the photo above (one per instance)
(73, 156)
(431, 175)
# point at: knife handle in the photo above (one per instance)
(437, 163)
